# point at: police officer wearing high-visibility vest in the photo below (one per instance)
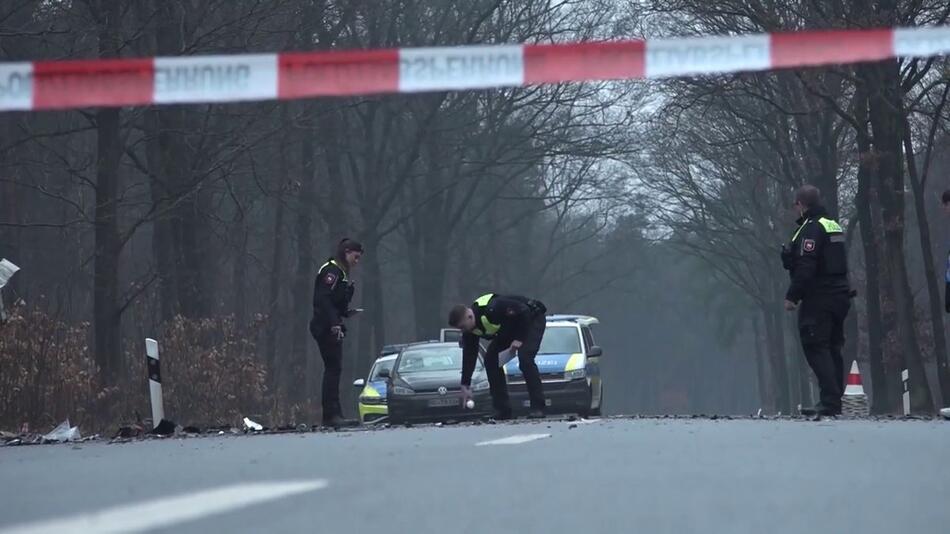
(817, 261)
(513, 323)
(332, 293)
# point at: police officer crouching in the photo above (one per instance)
(816, 259)
(332, 292)
(510, 322)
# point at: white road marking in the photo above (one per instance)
(514, 440)
(167, 511)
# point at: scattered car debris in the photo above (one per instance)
(252, 426)
(129, 431)
(63, 432)
(164, 428)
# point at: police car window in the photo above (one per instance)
(378, 368)
(431, 360)
(588, 338)
(560, 340)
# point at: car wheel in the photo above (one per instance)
(587, 411)
(599, 411)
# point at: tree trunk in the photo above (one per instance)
(161, 226)
(372, 332)
(761, 366)
(239, 287)
(934, 298)
(108, 245)
(304, 367)
(887, 126)
(274, 314)
(881, 399)
(775, 339)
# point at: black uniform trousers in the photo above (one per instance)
(331, 350)
(821, 329)
(526, 354)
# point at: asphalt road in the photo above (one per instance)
(656, 476)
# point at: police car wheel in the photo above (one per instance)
(597, 412)
(587, 411)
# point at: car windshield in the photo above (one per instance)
(429, 359)
(560, 340)
(379, 367)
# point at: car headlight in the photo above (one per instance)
(575, 374)
(400, 390)
(373, 400)
(480, 386)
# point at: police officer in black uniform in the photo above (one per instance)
(332, 293)
(510, 322)
(816, 259)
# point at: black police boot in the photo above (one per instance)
(536, 413)
(820, 410)
(503, 415)
(334, 421)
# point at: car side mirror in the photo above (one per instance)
(595, 352)
(383, 373)
(359, 383)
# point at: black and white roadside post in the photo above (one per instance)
(905, 378)
(154, 382)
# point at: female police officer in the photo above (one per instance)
(332, 293)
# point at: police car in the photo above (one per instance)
(372, 402)
(569, 363)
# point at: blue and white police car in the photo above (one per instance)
(569, 363)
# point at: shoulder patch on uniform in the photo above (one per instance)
(808, 245)
(329, 278)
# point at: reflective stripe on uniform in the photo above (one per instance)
(487, 327)
(830, 226)
(484, 299)
(800, 228)
(335, 264)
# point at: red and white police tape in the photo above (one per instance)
(235, 78)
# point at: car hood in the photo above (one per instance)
(547, 363)
(432, 380)
(376, 388)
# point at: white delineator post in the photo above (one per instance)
(905, 377)
(154, 381)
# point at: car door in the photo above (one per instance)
(593, 368)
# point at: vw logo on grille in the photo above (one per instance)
(442, 390)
